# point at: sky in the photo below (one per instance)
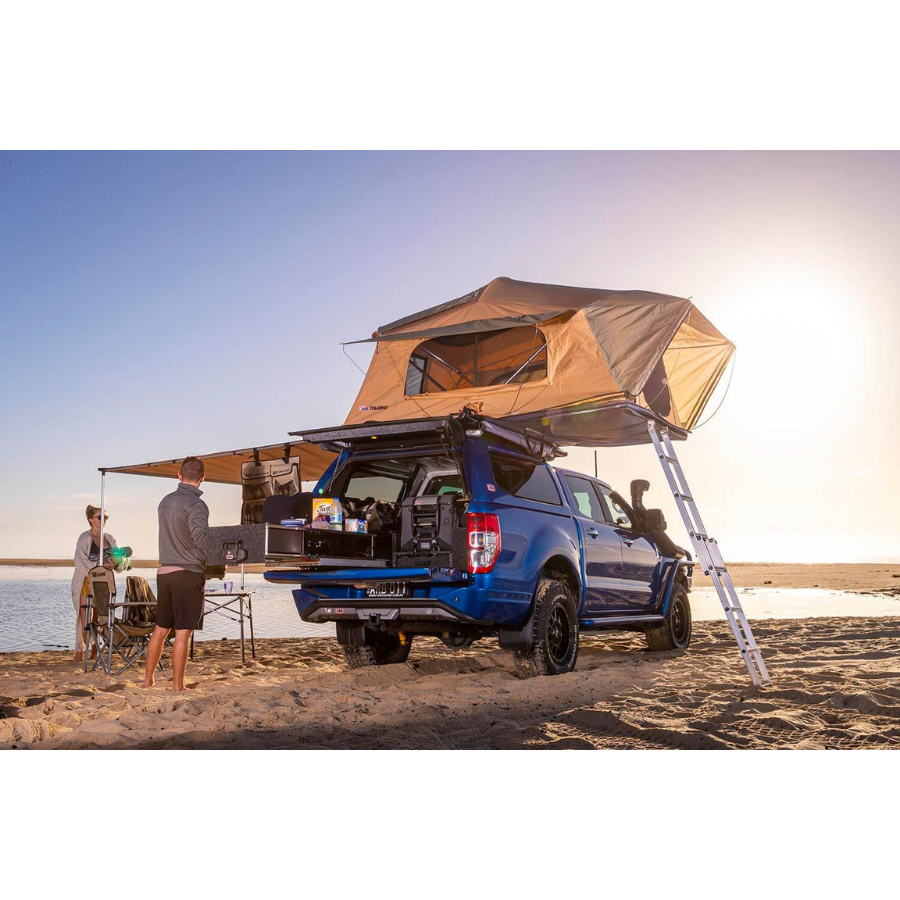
(161, 304)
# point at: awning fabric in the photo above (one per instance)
(224, 467)
(654, 350)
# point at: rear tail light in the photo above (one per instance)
(484, 541)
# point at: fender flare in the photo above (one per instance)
(523, 636)
(671, 578)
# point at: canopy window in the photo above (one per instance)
(461, 361)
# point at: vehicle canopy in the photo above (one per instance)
(442, 431)
(582, 365)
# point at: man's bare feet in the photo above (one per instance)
(149, 684)
(79, 657)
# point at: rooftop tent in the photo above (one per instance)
(224, 467)
(584, 366)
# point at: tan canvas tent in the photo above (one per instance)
(585, 366)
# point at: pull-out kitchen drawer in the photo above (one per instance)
(323, 548)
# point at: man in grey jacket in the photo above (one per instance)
(183, 525)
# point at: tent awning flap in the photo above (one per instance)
(470, 327)
(631, 341)
(426, 313)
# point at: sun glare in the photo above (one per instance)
(802, 344)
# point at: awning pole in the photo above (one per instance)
(102, 511)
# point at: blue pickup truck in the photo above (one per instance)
(471, 533)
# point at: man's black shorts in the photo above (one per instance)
(179, 600)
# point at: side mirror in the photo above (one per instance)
(622, 522)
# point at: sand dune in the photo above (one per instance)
(837, 684)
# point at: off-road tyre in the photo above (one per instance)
(675, 631)
(555, 647)
(380, 649)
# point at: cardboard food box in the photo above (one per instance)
(321, 514)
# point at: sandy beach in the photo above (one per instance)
(837, 685)
(883, 578)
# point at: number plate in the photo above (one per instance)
(389, 589)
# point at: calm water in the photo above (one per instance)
(36, 608)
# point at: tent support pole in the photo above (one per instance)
(526, 363)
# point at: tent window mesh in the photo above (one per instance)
(460, 361)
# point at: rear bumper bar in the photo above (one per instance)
(400, 610)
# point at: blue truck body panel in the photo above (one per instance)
(620, 573)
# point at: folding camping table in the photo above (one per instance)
(236, 606)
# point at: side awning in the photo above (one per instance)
(224, 467)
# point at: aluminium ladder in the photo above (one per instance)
(708, 556)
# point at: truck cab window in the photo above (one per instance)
(617, 515)
(444, 484)
(382, 479)
(379, 487)
(585, 498)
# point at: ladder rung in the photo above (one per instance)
(684, 496)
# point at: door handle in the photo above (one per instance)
(593, 532)
(627, 542)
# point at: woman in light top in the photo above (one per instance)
(87, 556)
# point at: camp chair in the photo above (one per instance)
(115, 628)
